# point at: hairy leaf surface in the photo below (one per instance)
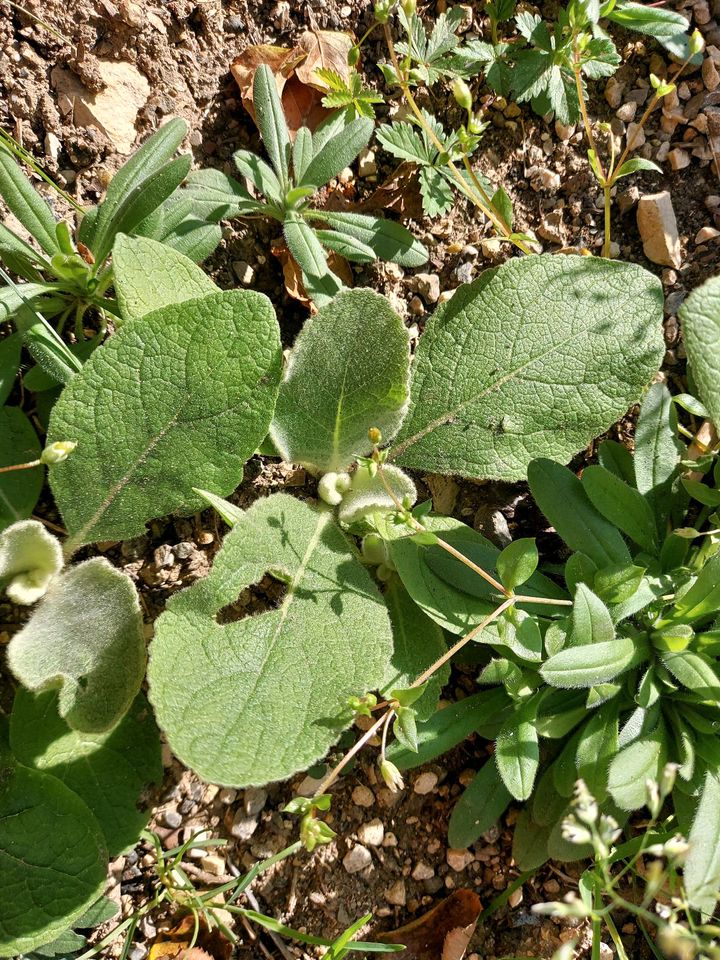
(149, 275)
(257, 699)
(700, 316)
(534, 358)
(347, 372)
(85, 637)
(178, 401)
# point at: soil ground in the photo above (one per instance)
(184, 48)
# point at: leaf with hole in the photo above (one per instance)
(234, 696)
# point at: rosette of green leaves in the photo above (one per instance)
(285, 188)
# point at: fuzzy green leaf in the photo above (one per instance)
(623, 505)
(702, 867)
(417, 643)
(695, 672)
(149, 275)
(260, 174)
(641, 760)
(29, 558)
(702, 600)
(26, 203)
(390, 240)
(517, 562)
(178, 401)
(347, 372)
(525, 362)
(320, 282)
(479, 808)
(271, 121)
(517, 754)
(592, 622)
(19, 489)
(700, 316)
(339, 153)
(53, 860)
(216, 196)
(109, 771)
(369, 494)
(233, 696)
(10, 349)
(657, 451)
(85, 637)
(588, 665)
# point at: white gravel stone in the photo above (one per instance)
(425, 783)
(372, 833)
(357, 859)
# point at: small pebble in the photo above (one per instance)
(254, 799)
(227, 795)
(243, 827)
(244, 272)
(422, 871)
(372, 833)
(172, 819)
(515, 898)
(138, 952)
(428, 286)
(390, 840)
(396, 894)
(464, 273)
(425, 783)
(357, 859)
(366, 163)
(363, 796)
(705, 234)
(458, 859)
(213, 864)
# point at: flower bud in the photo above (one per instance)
(652, 797)
(409, 7)
(373, 549)
(382, 11)
(697, 43)
(573, 832)
(57, 452)
(392, 776)
(332, 486)
(462, 94)
(374, 436)
(667, 779)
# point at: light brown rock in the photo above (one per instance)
(357, 859)
(396, 894)
(458, 859)
(112, 110)
(363, 796)
(678, 159)
(372, 832)
(706, 234)
(658, 229)
(425, 783)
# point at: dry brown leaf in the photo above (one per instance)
(281, 60)
(441, 934)
(327, 49)
(175, 945)
(292, 274)
(400, 193)
(302, 106)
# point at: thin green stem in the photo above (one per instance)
(480, 200)
(7, 140)
(607, 201)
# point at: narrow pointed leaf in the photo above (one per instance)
(302, 153)
(517, 754)
(479, 808)
(700, 317)
(271, 121)
(701, 874)
(19, 489)
(347, 372)
(657, 451)
(389, 240)
(321, 283)
(260, 174)
(339, 153)
(216, 196)
(26, 203)
(233, 696)
(524, 362)
(178, 401)
(623, 505)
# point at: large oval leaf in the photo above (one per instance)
(109, 771)
(255, 700)
(534, 358)
(52, 858)
(347, 372)
(700, 316)
(176, 400)
(589, 664)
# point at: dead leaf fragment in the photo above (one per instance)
(281, 60)
(441, 934)
(324, 49)
(112, 110)
(211, 944)
(292, 274)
